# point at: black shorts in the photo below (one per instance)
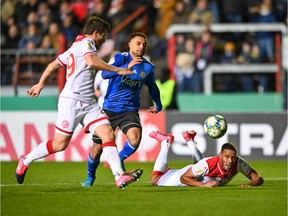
(124, 121)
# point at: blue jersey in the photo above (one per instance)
(123, 92)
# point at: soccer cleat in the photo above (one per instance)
(21, 170)
(160, 137)
(89, 181)
(124, 180)
(136, 173)
(189, 135)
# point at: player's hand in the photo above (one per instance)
(35, 90)
(211, 184)
(135, 61)
(153, 110)
(124, 71)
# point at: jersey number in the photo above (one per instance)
(71, 65)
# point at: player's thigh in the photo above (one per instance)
(68, 116)
(94, 118)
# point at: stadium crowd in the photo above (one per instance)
(30, 24)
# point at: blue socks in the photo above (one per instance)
(92, 166)
(127, 150)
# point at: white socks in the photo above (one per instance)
(196, 154)
(111, 155)
(39, 152)
(161, 162)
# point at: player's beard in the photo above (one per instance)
(137, 54)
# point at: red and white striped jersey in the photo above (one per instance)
(210, 168)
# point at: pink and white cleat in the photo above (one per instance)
(125, 180)
(21, 170)
(160, 137)
(189, 135)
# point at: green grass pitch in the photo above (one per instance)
(52, 188)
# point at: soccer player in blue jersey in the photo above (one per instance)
(122, 100)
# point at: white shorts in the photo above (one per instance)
(71, 112)
(172, 177)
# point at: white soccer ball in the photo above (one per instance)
(215, 126)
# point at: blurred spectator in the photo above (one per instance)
(214, 8)
(181, 13)
(57, 37)
(118, 15)
(100, 9)
(30, 19)
(69, 30)
(65, 10)
(203, 56)
(229, 53)
(80, 10)
(180, 42)
(167, 88)
(265, 39)
(46, 42)
(54, 6)
(27, 12)
(249, 80)
(232, 11)
(280, 10)
(184, 71)
(43, 8)
(11, 41)
(31, 34)
(164, 16)
(5, 26)
(251, 8)
(31, 66)
(13, 38)
(244, 56)
(44, 21)
(7, 10)
(201, 14)
(228, 56)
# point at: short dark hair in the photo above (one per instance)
(95, 23)
(229, 146)
(137, 34)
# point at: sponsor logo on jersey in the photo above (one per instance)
(89, 46)
(198, 171)
(142, 74)
(130, 82)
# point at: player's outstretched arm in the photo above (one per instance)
(36, 89)
(189, 179)
(95, 62)
(256, 180)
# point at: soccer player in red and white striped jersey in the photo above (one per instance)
(206, 172)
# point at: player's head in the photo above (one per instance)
(137, 44)
(228, 155)
(97, 28)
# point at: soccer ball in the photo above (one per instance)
(215, 126)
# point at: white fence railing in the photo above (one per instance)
(233, 69)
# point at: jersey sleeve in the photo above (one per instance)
(118, 61)
(200, 169)
(154, 91)
(63, 58)
(243, 167)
